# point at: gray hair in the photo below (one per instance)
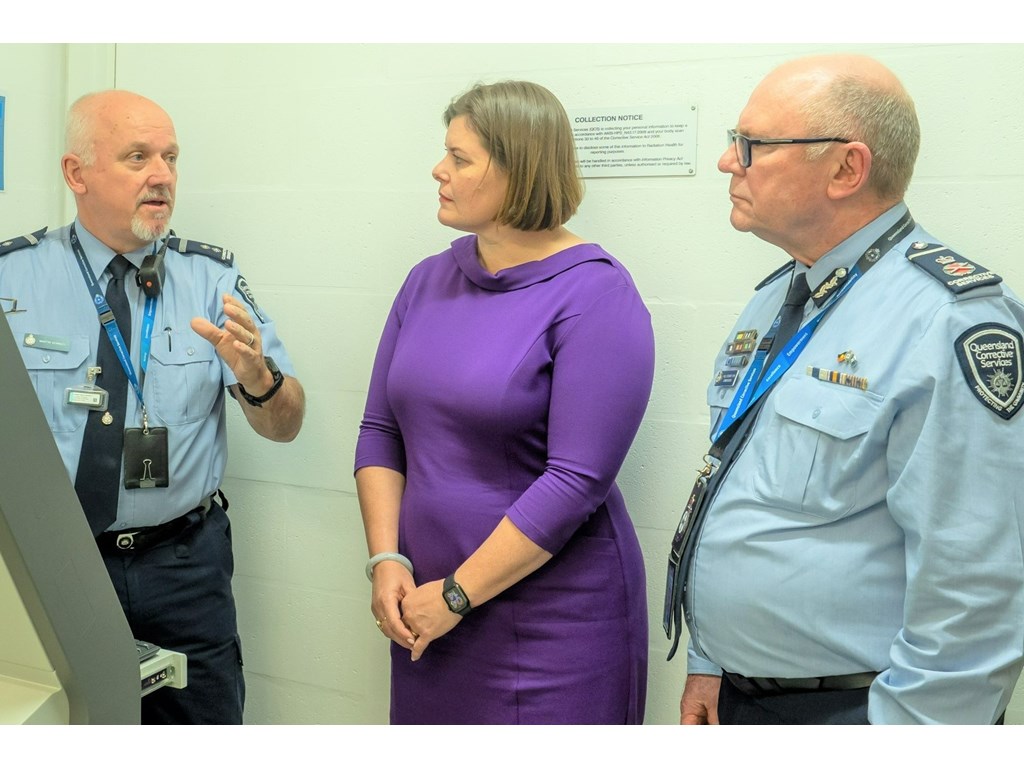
(883, 118)
(79, 131)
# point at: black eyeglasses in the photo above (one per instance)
(744, 143)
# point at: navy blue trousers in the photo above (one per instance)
(807, 708)
(799, 708)
(178, 596)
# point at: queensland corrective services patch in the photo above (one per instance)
(246, 293)
(990, 357)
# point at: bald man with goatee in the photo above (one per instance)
(134, 337)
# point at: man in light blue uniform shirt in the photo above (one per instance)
(860, 559)
(167, 546)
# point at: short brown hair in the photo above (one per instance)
(525, 130)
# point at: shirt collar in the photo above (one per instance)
(852, 248)
(99, 255)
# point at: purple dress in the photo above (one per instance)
(518, 394)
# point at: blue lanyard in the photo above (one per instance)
(110, 324)
(751, 389)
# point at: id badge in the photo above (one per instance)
(682, 535)
(89, 395)
(145, 458)
(93, 398)
(679, 541)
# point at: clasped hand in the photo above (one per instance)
(426, 614)
(409, 615)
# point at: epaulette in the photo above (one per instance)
(17, 243)
(950, 268)
(784, 269)
(190, 247)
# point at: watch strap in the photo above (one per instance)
(278, 381)
(455, 597)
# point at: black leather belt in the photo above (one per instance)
(769, 686)
(123, 542)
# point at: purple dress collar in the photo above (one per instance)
(522, 275)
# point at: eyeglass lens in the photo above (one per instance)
(742, 147)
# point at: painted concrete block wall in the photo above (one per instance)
(312, 163)
(32, 78)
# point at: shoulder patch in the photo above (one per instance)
(246, 293)
(784, 269)
(949, 268)
(990, 358)
(194, 247)
(17, 243)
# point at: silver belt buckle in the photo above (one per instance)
(126, 540)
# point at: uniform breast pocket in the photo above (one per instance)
(183, 378)
(52, 372)
(830, 462)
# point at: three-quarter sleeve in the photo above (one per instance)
(603, 370)
(380, 439)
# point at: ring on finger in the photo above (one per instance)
(252, 338)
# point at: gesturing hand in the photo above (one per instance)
(239, 344)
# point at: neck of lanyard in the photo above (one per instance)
(110, 325)
(754, 385)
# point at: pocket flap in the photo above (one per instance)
(42, 359)
(181, 348)
(838, 411)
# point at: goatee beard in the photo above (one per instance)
(150, 232)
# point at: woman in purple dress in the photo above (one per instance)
(510, 381)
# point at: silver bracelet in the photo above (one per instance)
(379, 558)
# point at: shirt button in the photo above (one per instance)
(816, 413)
(46, 358)
(191, 351)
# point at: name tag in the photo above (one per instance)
(725, 378)
(52, 343)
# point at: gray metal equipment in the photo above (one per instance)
(67, 654)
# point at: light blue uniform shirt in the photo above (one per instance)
(184, 386)
(876, 529)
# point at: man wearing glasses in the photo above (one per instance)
(852, 551)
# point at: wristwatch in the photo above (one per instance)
(278, 381)
(455, 597)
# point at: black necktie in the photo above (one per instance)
(99, 466)
(789, 322)
(730, 443)
(791, 315)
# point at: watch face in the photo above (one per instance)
(456, 599)
(271, 364)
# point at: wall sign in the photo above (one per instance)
(636, 141)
